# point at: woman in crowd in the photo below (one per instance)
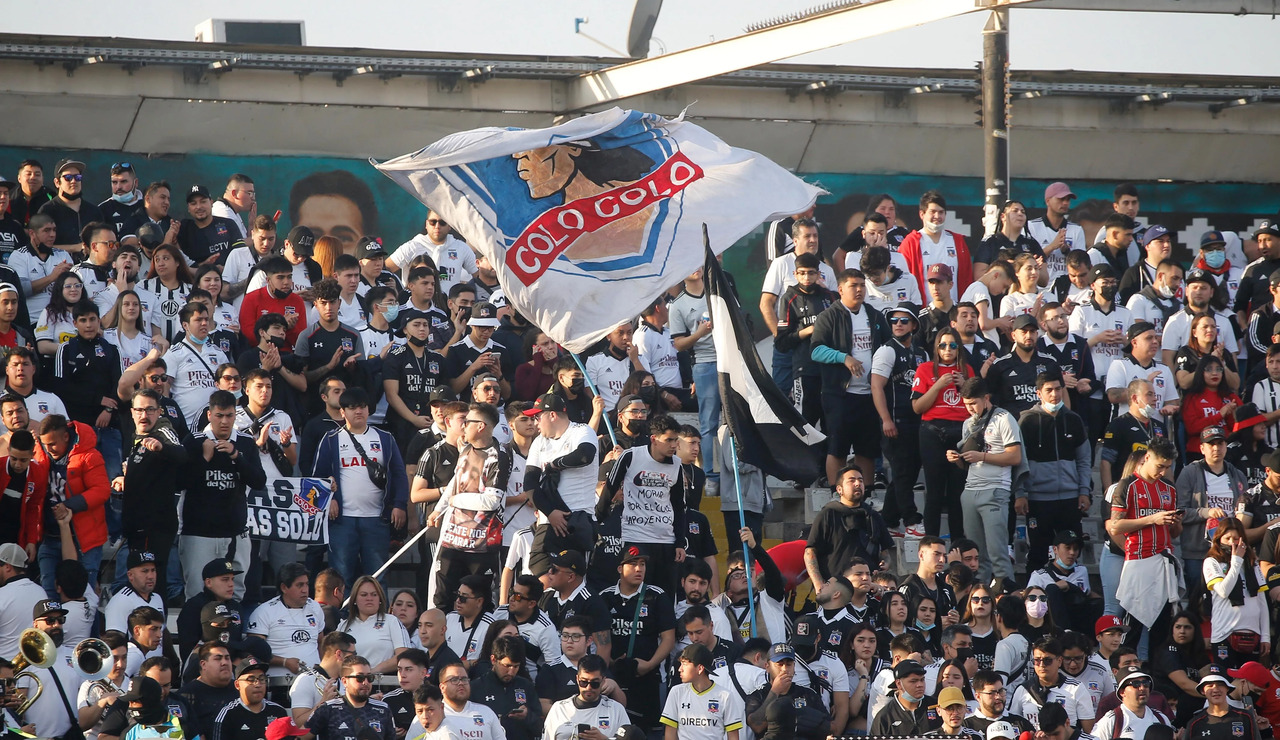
(951, 674)
(924, 619)
(641, 383)
(164, 292)
(979, 616)
(1208, 402)
(894, 609)
(537, 373)
(55, 325)
(224, 315)
(1203, 342)
(405, 607)
(497, 628)
(1241, 622)
(130, 334)
(1024, 295)
(1039, 620)
(935, 395)
(325, 251)
(1177, 665)
(858, 654)
(1248, 443)
(380, 637)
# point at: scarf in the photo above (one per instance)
(1040, 694)
(1247, 579)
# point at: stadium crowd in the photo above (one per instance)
(170, 378)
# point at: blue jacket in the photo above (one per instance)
(396, 495)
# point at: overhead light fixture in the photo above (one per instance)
(368, 69)
(223, 65)
(95, 59)
(478, 73)
(818, 86)
(1030, 94)
(1160, 97)
(1237, 103)
(935, 87)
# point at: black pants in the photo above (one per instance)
(1097, 414)
(661, 570)
(1160, 630)
(581, 537)
(903, 456)
(643, 701)
(943, 480)
(159, 542)
(1044, 520)
(454, 564)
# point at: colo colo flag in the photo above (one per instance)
(767, 430)
(588, 221)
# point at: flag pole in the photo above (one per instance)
(742, 521)
(403, 549)
(604, 416)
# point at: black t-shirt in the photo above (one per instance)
(12, 236)
(238, 722)
(1233, 725)
(421, 441)
(583, 604)
(941, 593)
(1255, 284)
(653, 616)
(701, 541)
(1187, 358)
(841, 533)
(219, 237)
(206, 702)
(136, 222)
(400, 702)
(602, 571)
(417, 376)
(1013, 381)
(1169, 659)
(557, 681)
(11, 507)
(988, 250)
(1126, 435)
(70, 222)
(437, 464)
(115, 719)
(1262, 504)
(118, 214)
(462, 354)
(321, 344)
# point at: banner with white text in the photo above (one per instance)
(291, 510)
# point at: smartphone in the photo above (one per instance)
(583, 728)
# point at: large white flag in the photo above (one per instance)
(587, 222)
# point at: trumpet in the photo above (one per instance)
(93, 660)
(35, 650)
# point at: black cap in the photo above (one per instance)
(698, 654)
(150, 235)
(627, 400)
(443, 394)
(215, 612)
(45, 607)
(1271, 461)
(484, 314)
(1267, 227)
(1068, 537)
(7, 184)
(547, 402)
(370, 247)
(1102, 272)
(302, 239)
(574, 561)
(908, 668)
(139, 557)
(1200, 276)
(781, 651)
(808, 631)
(198, 191)
(145, 690)
(1214, 433)
(1275, 281)
(1138, 328)
(65, 163)
(250, 664)
(219, 567)
(1213, 238)
(906, 307)
(1025, 321)
(634, 553)
(1052, 716)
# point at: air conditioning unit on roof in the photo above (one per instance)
(223, 31)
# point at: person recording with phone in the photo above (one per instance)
(478, 354)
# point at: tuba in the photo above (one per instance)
(92, 659)
(35, 650)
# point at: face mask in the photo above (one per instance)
(279, 342)
(391, 313)
(71, 196)
(1053, 408)
(922, 626)
(1145, 412)
(135, 715)
(1037, 609)
(1061, 565)
(1108, 292)
(649, 394)
(198, 342)
(577, 384)
(128, 198)
(639, 427)
(932, 229)
(279, 295)
(239, 394)
(1164, 291)
(416, 342)
(1215, 258)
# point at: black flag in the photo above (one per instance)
(768, 431)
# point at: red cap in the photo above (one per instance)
(1253, 672)
(938, 271)
(1109, 622)
(284, 727)
(1058, 190)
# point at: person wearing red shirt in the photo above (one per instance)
(1144, 511)
(935, 395)
(1209, 403)
(1264, 686)
(276, 296)
(934, 245)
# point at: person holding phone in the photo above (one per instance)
(590, 715)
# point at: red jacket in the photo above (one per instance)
(32, 499)
(1203, 410)
(910, 250)
(88, 490)
(260, 302)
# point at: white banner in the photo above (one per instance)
(291, 510)
(587, 222)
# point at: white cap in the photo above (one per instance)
(1001, 729)
(14, 555)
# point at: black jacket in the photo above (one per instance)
(215, 504)
(895, 721)
(504, 698)
(152, 480)
(88, 371)
(834, 329)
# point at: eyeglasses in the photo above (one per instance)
(1037, 597)
(980, 599)
(572, 636)
(73, 178)
(258, 680)
(435, 221)
(900, 320)
(994, 692)
(589, 684)
(77, 286)
(948, 345)
(360, 677)
(158, 378)
(145, 409)
(1073, 659)
(457, 680)
(113, 244)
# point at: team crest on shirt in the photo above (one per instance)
(453, 254)
(347, 346)
(311, 620)
(478, 720)
(644, 610)
(802, 628)
(221, 231)
(1093, 686)
(932, 714)
(695, 528)
(520, 696)
(43, 406)
(1075, 354)
(603, 722)
(224, 345)
(433, 368)
(719, 663)
(1164, 498)
(801, 703)
(375, 445)
(824, 674)
(99, 350)
(713, 706)
(176, 710)
(290, 310)
(1237, 729)
(833, 639)
(376, 725)
(1222, 652)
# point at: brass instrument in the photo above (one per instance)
(93, 660)
(35, 650)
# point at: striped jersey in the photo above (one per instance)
(1142, 497)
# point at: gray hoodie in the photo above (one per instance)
(1193, 492)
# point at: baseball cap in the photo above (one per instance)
(219, 567)
(1213, 674)
(1213, 434)
(67, 164)
(1102, 272)
(1153, 232)
(997, 729)
(1108, 623)
(1212, 239)
(9, 288)
(781, 651)
(1025, 321)
(808, 631)
(145, 690)
(950, 696)
(1199, 276)
(302, 239)
(627, 400)
(553, 402)
(12, 553)
(1058, 190)
(150, 235)
(443, 394)
(283, 727)
(370, 247)
(1052, 716)
(1129, 675)
(908, 668)
(215, 612)
(478, 379)
(574, 561)
(7, 183)
(1138, 328)
(198, 191)
(1253, 672)
(138, 558)
(698, 654)
(1068, 537)
(1275, 279)
(1271, 461)
(1247, 415)
(910, 309)
(484, 313)
(938, 271)
(634, 553)
(1267, 227)
(45, 607)
(250, 664)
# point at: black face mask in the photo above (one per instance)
(577, 384)
(280, 295)
(210, 633)
(279, 342)
(649, 394)
(638, 427)
(71, 196)
(416, 342)
(1108, 293)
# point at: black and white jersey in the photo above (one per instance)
(237, 722)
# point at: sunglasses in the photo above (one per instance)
(122, 166)
(461, 597)
(518, 597)
(158, 378)
(54, 620)
(360, 677)
(230, 377)
(1037, 597)
(73, 178)
(589, 684)
(435, 221)
(980, 599)
(900, 320)
(948, 345)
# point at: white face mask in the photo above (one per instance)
(1164, 291)
(932, 229)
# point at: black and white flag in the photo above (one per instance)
(768, 431)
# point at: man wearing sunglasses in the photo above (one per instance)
(52, 711)
(126, 199)
(455, 260)
(1133, 715)
(348, 716)
(68, 210)
(893, 371)
(247, 717)
(1049, 685)
(590, 715)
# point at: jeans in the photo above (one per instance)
(173, 572)
(1109, 567)
(50, 554)
(358, 545)
(782, 371)
(706, 377)
(986, 514)
(109, 445)
(195, 552)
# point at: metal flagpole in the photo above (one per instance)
(605, 416)
(742, 521)
(403, 549)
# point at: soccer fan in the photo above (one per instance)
(697, 708)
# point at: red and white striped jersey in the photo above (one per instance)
(1142, 497)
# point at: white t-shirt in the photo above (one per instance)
(377, 638)
(42, 403)
(30, 267)
(609, 374)
(658, 355)
(359, 496)
(1002, 432)
(1177, 332)
(80, 616)
(577, 485)
(123, 602)
(607, 716)
(1071, 695)
(1087, 321)
(16, 600)
(89, 694)
(1266, 394)
(782, 275)
(49, 713)
(828, 669)
(291, 633)
(861, 351)
(454, 259)
(1142, 309)
(520, 549)
(1056, 261)
(1134, 727)
(474, 722)
(465, 642)
(131, 350)
(301, 279)
(1016, 304)
(58, 330)
(853, 261)
(137, 656)
(308, 687)
(646, 483)
(516, 516)
(886, 296)
(278, 422)
(941, 252)
(977, 293)
(709, 715)
(1122, 372)
(191, 370)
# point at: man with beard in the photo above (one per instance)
(53, 712)
(1049, 685)
(1012, 377)
(1256, 281)
(154, 213)
(1074, 360)
(1200, 288)
(511, 696)
(696, 585)
(602, 716)
(319, 683)
(988, 688)
(535, 627)
(341, 718)
(469, 719)
(782, 708)
(205, 238)
(1134, 715)
(247, 717)
(1054, 231)
(820, 672)
(126, 199)
(844, 529)
(68, 210)
(1159, 301)
(893, 368)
